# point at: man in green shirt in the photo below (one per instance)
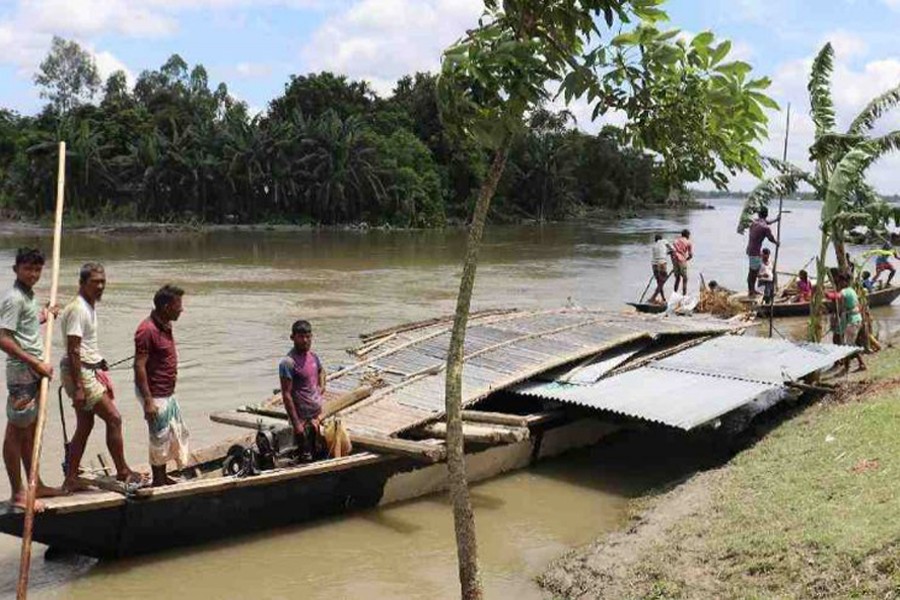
(851, 316)
(20, 338)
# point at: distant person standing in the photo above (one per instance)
(155, 374)
(766, 279)
(682, 252)
(759, 232)
(850, 314)
(883, 263)
(658, 263)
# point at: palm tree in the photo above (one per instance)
(841, 161)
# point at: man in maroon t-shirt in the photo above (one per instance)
(302, 380)
(759, 232)
(155, 372)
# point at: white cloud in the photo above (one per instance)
(893, 4)
(107, 64)
(91, 17)
(250, 70)
(846, 44)
(852, 88)
(382, 40)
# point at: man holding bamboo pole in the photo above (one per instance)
(20, 338)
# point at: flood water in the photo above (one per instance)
(243, 291)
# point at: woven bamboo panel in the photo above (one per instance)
(500, 350)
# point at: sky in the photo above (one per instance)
(255, 45)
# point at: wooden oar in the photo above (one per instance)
(28, 529)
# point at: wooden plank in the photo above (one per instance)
(429, 453)
(480, 416)
(219, 484)
(480, 433)
(247, 421)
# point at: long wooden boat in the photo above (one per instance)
(883, 297)
(391, 403)
(107, 524)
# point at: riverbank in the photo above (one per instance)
(810, 511)
(15, 225)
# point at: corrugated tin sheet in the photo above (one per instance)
(501, 349)
(760, 359)
(700, 384)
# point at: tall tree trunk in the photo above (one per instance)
(463, 517)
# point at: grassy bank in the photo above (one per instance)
(810, 511)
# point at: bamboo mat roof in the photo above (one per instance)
(502, 348)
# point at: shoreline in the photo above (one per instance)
(13, 226)
(805, 509)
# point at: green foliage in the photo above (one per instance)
(701, 113)
(329, 150)
(68, 75)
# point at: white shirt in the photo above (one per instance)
(765, 272)
(79, 318)
(660, 253)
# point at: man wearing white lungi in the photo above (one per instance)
(155, 373)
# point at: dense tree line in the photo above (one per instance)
(328, 150)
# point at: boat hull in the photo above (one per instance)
(801, 309)
(141, 526)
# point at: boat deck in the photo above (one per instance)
(502, 348)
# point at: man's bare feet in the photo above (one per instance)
(18, 501)
(73, 486)
(132, 477)
(861, 368)
(45, 491)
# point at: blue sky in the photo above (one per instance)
(254, 45)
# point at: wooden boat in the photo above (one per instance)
(391, 403)
(882, 297)
(647, 307)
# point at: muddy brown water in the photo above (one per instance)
(245, 288)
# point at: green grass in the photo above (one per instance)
(805, 513)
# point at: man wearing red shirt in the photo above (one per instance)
(155, 373)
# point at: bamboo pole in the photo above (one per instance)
(28, 529)
(787, 132)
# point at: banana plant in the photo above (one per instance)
(841, 161)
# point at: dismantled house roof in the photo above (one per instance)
(696, 385)
(502, 348)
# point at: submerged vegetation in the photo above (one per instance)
(328, 150)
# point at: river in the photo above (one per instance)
(243, 291)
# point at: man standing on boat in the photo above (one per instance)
(659, 258)
(155, 374)
(85, 377)
(302, 379)
(759, 232)
(682, 252)
(20, 338)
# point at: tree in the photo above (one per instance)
(68, 75)
(684, 101)
(489, 81)
(840, 160)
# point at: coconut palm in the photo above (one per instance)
(841, 161)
